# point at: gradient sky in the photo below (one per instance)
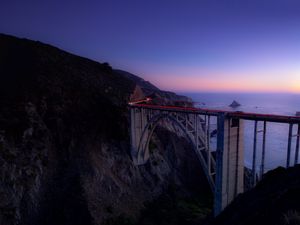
(187, 45)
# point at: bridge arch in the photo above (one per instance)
(147, 132)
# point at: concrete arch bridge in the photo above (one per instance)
(225, 170)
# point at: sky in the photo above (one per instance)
(183, 46)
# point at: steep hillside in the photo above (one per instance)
(158, 96)
(64, 144)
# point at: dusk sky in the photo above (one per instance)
(232, 46)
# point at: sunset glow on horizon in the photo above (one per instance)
(205, 81)
(199, 46)
(194, 84)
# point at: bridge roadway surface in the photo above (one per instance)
(232, 114)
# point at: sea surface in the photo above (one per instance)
(277, 133)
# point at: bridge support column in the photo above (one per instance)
(229, 161)
(138, 123)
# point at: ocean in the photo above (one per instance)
(277, 133)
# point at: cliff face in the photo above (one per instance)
(64, 143)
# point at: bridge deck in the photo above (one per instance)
(232, 114)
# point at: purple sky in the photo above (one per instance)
(232, 45)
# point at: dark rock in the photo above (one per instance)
(64, 142)
(275, 200)
(235, 104)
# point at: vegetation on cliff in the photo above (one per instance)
(64, 143)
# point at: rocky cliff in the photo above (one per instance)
(64, 145)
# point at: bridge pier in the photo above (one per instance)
(229, 161)
(136, 130)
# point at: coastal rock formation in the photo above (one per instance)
(234, 104)
(64, 142)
